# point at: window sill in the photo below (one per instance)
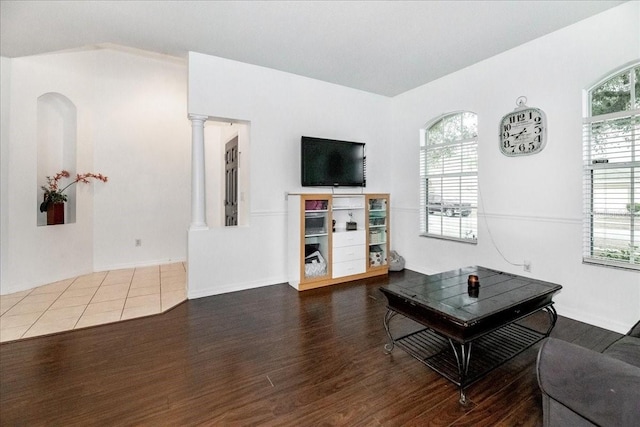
(453, 239)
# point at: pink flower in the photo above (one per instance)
(52, 192)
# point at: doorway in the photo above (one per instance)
(231, 183)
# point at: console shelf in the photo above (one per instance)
(336, 238)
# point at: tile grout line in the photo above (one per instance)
(158, 267)
(160, 280)
(75, 325)
(9, 309)
(49, 307)
(126, 297)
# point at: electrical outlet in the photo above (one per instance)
(138, 242)
(527, 266)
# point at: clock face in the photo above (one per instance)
(523, 132)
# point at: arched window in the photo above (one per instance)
(612, 170)
(449, 177)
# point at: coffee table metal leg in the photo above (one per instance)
(462, 353)
(388, 348)
(553, 317)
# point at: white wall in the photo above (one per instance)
(132, 127)
(142, 141)
(35, 255)
(280, 108)
(531, 206)
(5, 106)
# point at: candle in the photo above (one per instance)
(473, 281)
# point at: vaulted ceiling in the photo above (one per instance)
(384, 47)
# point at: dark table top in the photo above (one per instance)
(447, 294)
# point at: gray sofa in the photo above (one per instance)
(581, 387)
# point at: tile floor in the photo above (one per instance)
(92, 299)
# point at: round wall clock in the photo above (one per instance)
(523, 131)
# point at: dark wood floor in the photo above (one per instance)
(268, 356)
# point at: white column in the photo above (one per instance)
(198, 203)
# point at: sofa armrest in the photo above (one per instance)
(597, 387)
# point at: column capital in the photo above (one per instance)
(198, 117)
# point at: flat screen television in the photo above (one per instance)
(332, 163)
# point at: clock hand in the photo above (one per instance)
(517, 135)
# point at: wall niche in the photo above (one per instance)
(57, 146)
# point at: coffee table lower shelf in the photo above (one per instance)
(487, 352)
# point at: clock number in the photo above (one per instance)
(522, 148)
(538, 129)
(507, 127)
(538, 138)
(506, 144)
(505, 135)
(512, 119)
(532, 146)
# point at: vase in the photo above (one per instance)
(55, 213)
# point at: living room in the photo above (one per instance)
(135, 112)
(135, 103)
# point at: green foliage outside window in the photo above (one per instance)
(615, 94)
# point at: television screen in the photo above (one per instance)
(328, 162)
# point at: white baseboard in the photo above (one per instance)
(127, 265)
(26, 286)
(420, 269)
(232, 287)
(590, 319)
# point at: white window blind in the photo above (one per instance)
(449, 178)
(611, 135)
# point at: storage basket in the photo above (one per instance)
(314, 224)
(376, 221)
(315, 205)
(376, 257)
(376, 236)
(377, 204)
(315, 265)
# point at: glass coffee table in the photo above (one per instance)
(468, 331)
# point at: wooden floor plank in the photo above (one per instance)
(265, 356)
